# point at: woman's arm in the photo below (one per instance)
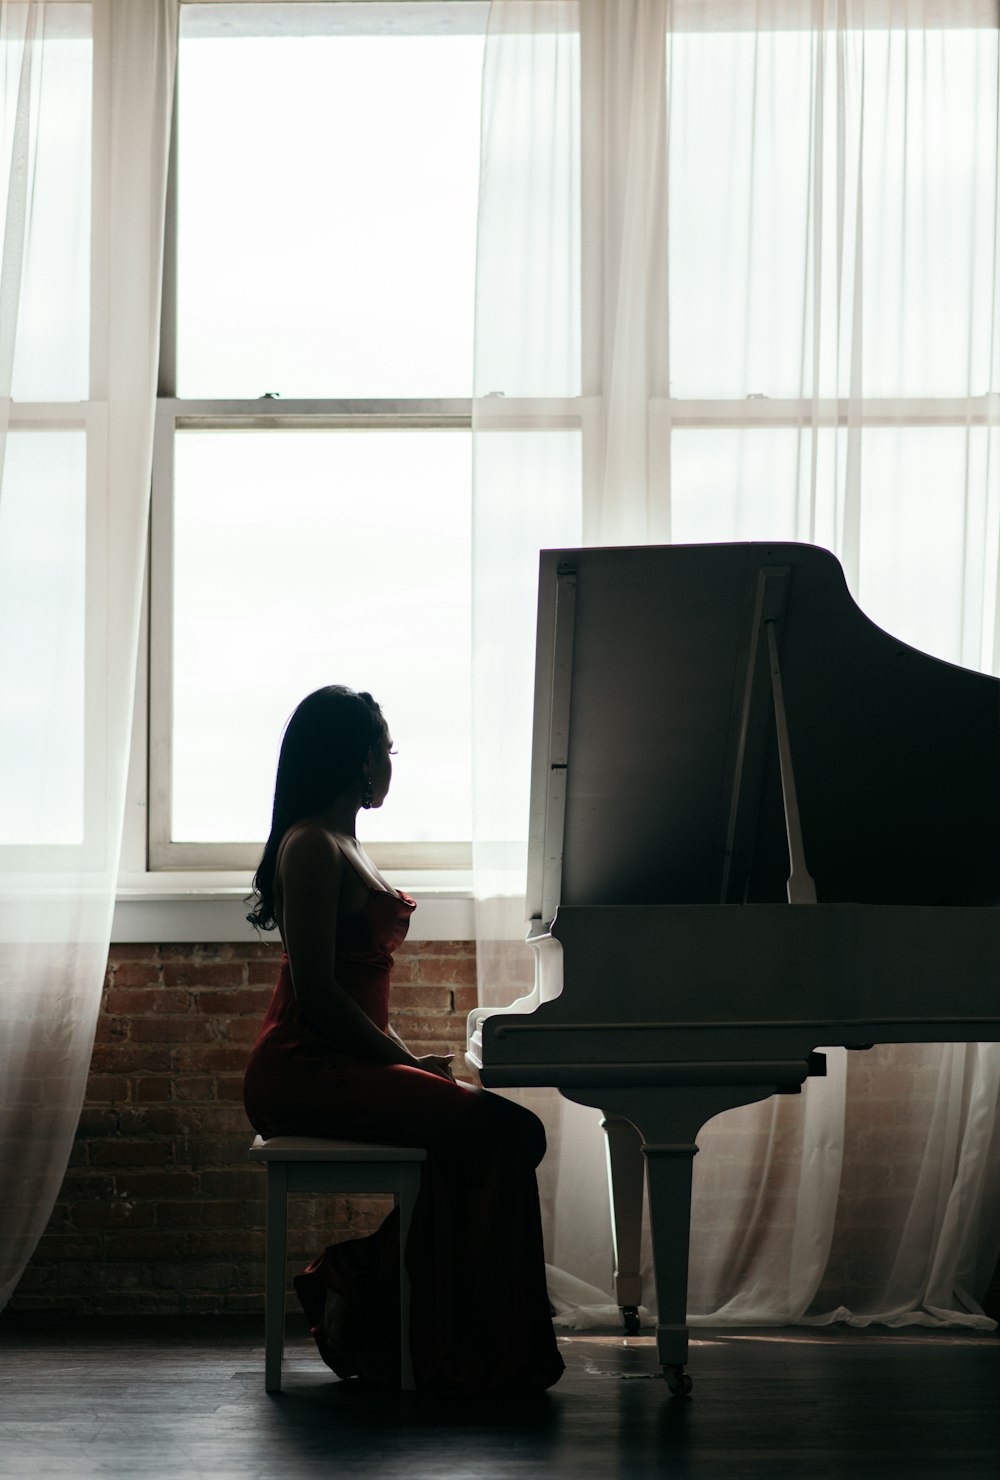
(434, 1063)
(310, 873)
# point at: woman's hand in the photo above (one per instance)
(436, 1063)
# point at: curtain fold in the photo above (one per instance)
(86, 104)
(737, 279)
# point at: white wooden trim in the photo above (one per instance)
(219, 916)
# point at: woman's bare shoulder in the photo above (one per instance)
(309, 845)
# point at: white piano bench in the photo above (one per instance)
(311, 1164)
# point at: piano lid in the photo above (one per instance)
(655, 774)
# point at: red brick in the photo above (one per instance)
(227, 1185)
(153, 1087)
(200, 1214)
(58, 1248)
(94, 1122)
(143, 1245)
(454, 970)
(123, 952)
(154, 1120)
(85, 1186)
(138, 1001)
(171, 1030)
(225, 1120)
(34, 1280)
(229, 1087)
(448, 948)
(195, 1275)
(203, 973)
(199, 951)
(219, 1151)
(238, 1243)
(198, 1058)
(465, 999)
(240, 1030)
(137, 974)
(131, 1153)
(110, 1029)
(263, 973)
(409, 999)
(240, 1000)
(125, 1058)
(264, 950)
(106, 1089)
(194, 1087)
(117, 1213)
(167, 1183)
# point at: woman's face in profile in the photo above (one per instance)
(380, 770)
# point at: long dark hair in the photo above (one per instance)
(323, 751)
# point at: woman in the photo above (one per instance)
(327, 1063)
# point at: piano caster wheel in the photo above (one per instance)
(630, 1320)
(678, 1381)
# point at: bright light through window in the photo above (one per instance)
(43, 518)
(303, 558)
(327, 202)
(764, 129)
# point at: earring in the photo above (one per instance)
(367, 795)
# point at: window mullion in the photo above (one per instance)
(896, 411)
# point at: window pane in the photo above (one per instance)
(42, 552)
(928, 522)
(816, 174)
(327, 202)
(304, 558)
(51, 360)
(929, 501)
(735, 485)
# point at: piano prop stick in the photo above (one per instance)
(801, 887)
(668, 835)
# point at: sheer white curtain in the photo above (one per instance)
(85, 99)
(737, 279)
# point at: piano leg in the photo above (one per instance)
(668, 1177)
(625, 1179)
(668, 1119)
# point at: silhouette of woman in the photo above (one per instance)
(328, 1063)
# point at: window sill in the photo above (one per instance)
(185, 908)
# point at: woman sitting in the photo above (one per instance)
(327, 1063)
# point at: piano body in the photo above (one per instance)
(759, 824)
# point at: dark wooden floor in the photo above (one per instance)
(183, 1397)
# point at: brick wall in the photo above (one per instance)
(160, 1209)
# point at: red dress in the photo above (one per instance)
(479, 1319)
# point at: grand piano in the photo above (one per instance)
(759, 825)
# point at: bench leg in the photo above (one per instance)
(274, 1274)
(409, 1186)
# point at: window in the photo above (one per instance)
(312, 462)
(312, 468)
